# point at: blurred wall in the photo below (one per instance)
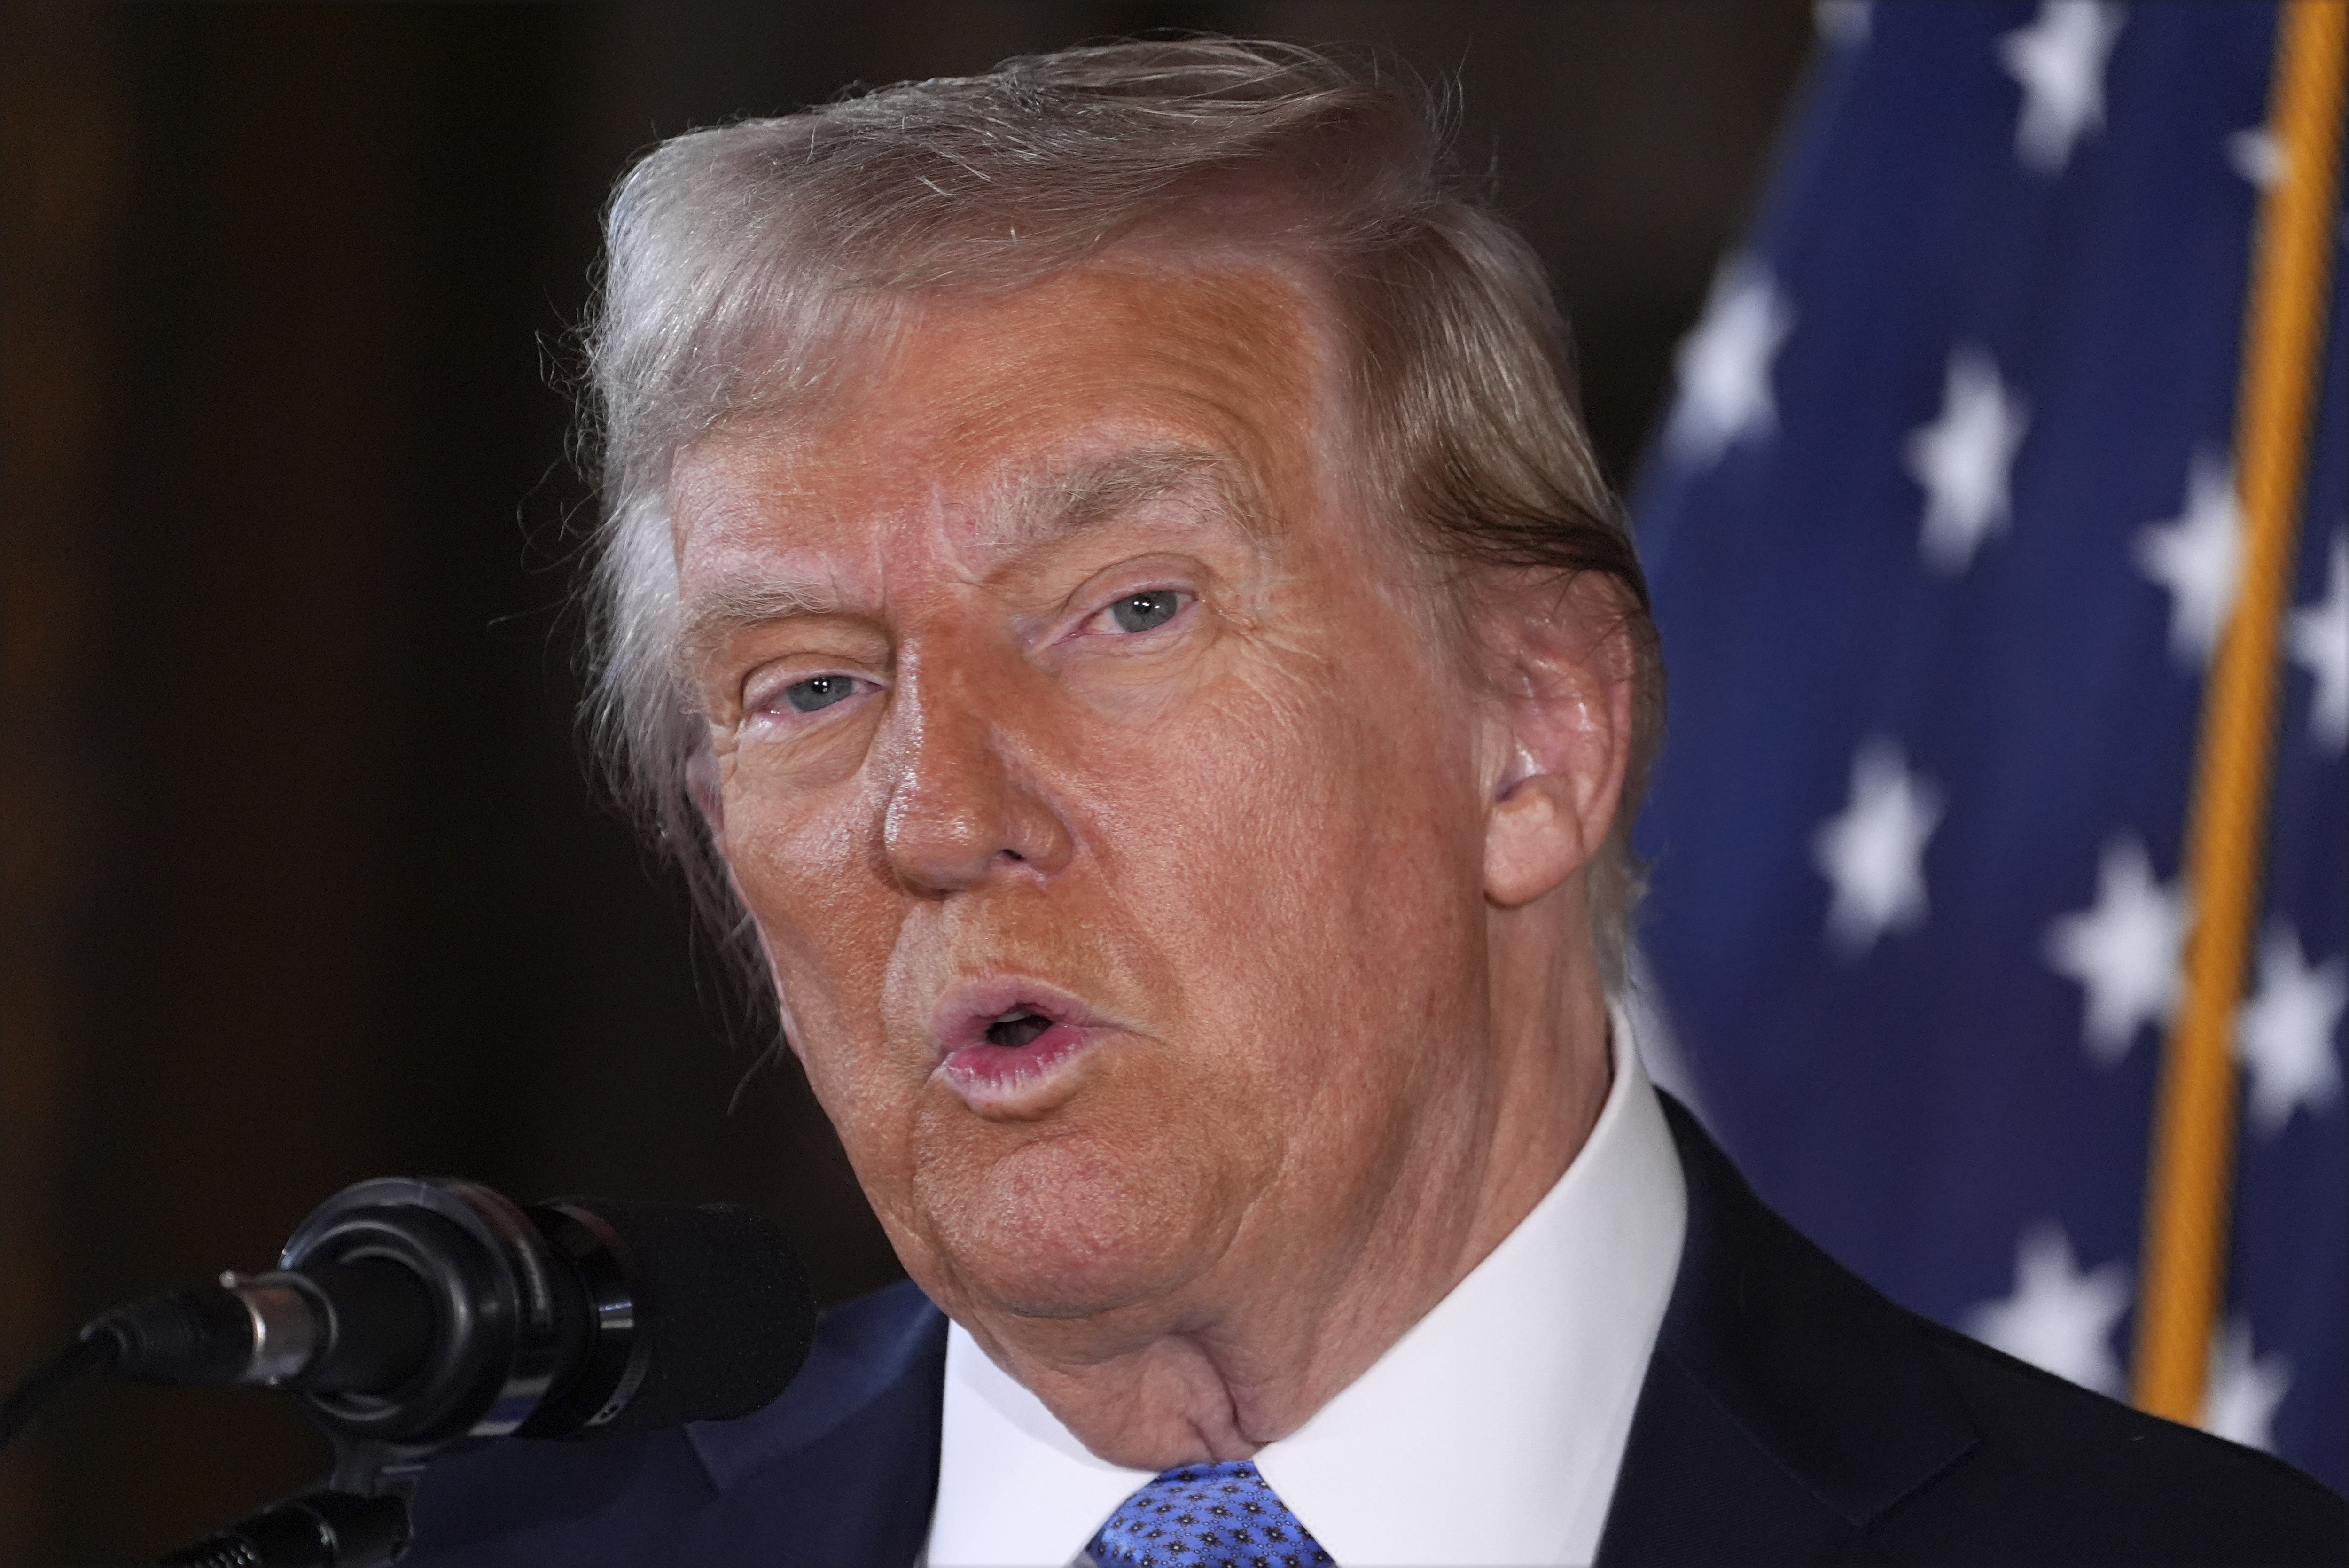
(303, 878)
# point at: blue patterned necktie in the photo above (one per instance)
(1206, 1516)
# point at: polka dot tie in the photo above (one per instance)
(1206, 1516)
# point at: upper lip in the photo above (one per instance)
(965, 1011)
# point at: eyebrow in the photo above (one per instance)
(733, 604)
(1033, 510)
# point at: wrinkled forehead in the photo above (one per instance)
(998, 416)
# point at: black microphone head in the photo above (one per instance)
(719, 1316)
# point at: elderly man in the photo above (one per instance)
(1104, 569)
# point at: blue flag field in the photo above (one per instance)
(1944, 528)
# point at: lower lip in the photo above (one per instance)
(990, 1072)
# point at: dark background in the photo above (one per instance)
(304, 879)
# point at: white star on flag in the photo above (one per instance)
(2284, 1034)
(2060, 60)
(2318, 637)
(2198, 555)
(1964, 458)
(1873, 851)
(2255, 155)
(2243, 1390)
(1842, 21)
(1725, 366)
(2060, 1318)
(2123, 951)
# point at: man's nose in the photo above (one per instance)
(959, 809)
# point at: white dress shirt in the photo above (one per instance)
(1490, 1433)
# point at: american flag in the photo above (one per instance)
(1943, 529)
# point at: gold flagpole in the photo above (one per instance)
(2189, 1189)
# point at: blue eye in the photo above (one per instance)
(1145, 611)
(818, 692)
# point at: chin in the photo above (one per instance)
(1065, 1228)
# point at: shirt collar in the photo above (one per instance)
(1490, 1432)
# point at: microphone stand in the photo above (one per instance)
(357, 1520)
(417, 1313)
(485, 1261)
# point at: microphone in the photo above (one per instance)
(407, 1314)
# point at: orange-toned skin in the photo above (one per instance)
(1324, 886)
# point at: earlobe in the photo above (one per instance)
(1533, 840)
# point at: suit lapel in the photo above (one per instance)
(1787, 1404)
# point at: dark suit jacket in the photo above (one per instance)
(1790, 1415)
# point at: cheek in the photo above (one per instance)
(1307, 848)
(829, 924)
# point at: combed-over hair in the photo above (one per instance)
(744, 260)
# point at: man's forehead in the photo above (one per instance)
(744, 491)
(1059, 494)
(983, 428)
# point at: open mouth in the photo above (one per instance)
(999, 1040)
(1016, 1028)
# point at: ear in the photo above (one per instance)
(1562, 667)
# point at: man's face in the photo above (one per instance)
(1113, 827)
